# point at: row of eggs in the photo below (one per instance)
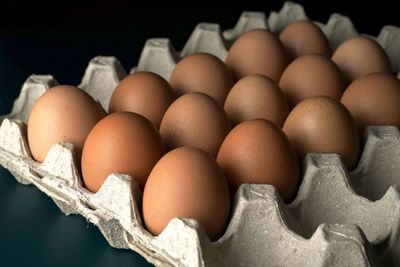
(192, 141)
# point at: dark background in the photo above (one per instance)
(60, 39)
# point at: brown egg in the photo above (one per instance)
(257, 52)
(309, 76)
(359, 56)
(195, 120)
(187, 183)
(145, 93)
(202, 73)
(257, 151)
(303, 37)
(374, 99)
(122, 142)
(256, 97)
(323, 125)
(64, 113)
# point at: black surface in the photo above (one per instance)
(60, 40)
(34, 232)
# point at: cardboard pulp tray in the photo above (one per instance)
(338, 218)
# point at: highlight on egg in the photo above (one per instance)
(323, 125)
(196, 120)
(203, 73)
(187, 183)
(309, 76)
(145, 93)
(122, 142)
(257, 51)
(258, 152)
(256, 97)
(359, 56)
(374, 99)
(64, 113)
(303, 37)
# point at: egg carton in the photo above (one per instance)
(338, 218)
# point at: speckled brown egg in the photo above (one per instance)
(122, 142)
(359, 56)
(204, 73)
(145, 93)
(195, 120)
(187, 183)
(257, 151)
(257, 52)
(374, 99)
(323, 125)
(303, 37)
(64, 113)
(309, 76)
(256, 97)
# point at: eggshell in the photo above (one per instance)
(204, 73)
(323, 125)
(145, 93)
(374, 99)
(64, 113)
(258, 152)
(309, 76)
(195, 120)
(122, 142)
(256, 97)
(257, 52)
(187, 183)
(303, 37)
(359, 56)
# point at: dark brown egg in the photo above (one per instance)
(309, 76)
(303, 37)
(202, 73)
(359, 56)
(257, 151)
(374, 99)
(257, 52)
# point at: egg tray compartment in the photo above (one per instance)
(337, 219)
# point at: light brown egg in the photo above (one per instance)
(359, 56)
(309, 76)
(145, 93)
(204, 73)
(187, 183)
(257, 52)
(257, 151)
(64, 113)
(303, 37)
(122, 142)
(323, 125)
(256, 97)
(374, 99)
(195, 120)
